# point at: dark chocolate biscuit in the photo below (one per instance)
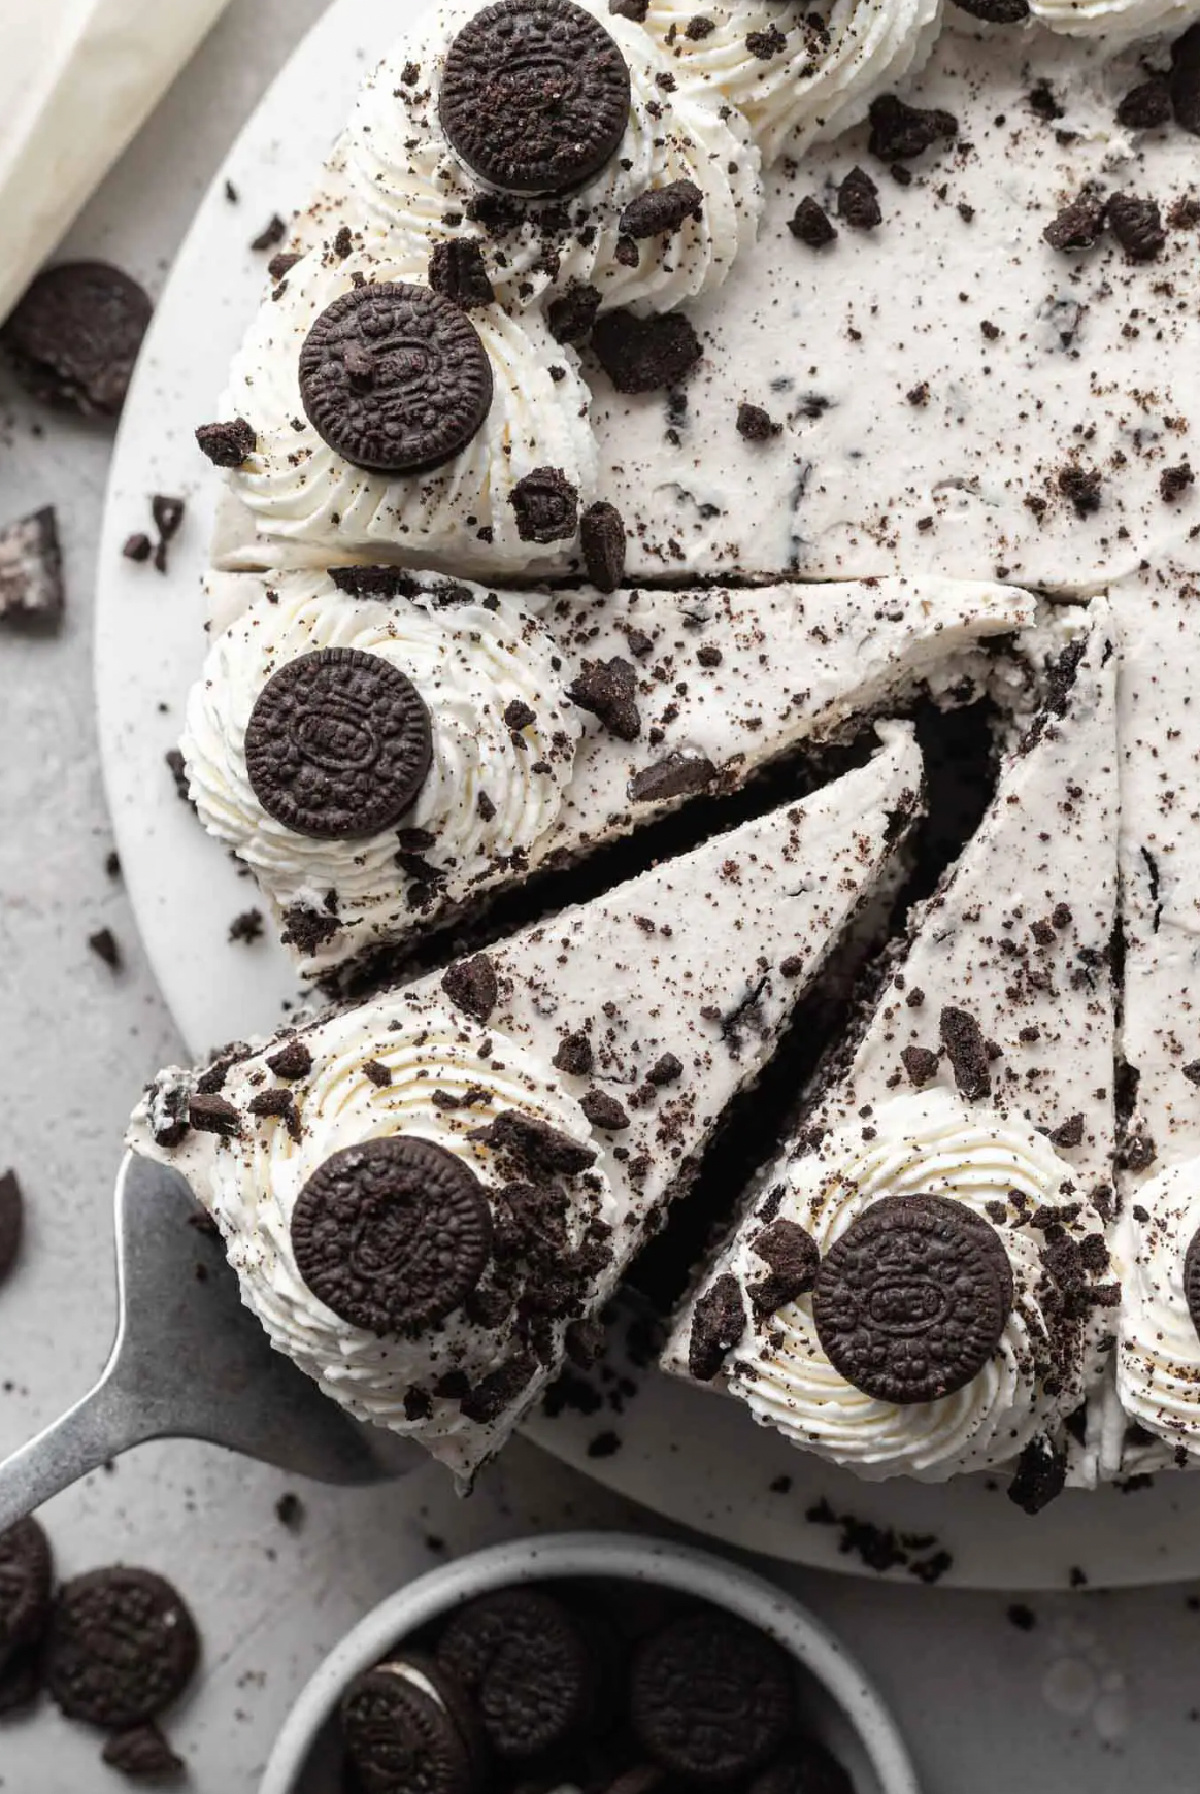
(996, 12)
(122, 1646)
(793, 1259)
(858, 200)
(662, 210)
(20, 1680)
(1078, 225)
(711, 1698)
(1191, 1279)
(805, 1768)
(966, 1049)
(524, 1661)
(12, 1221)
(472, 986)
(602, 539)
(74, 337)
(338, 744)
(571, 316)
(25, 1572)
(1137, 226)
(458, 272)
(1185, 80)
(229, 444)
(535, 95)
(395, 378)
(404, 1739)
(393, 1235)
(1146, 106)
(544, 1150)
(644, 354)
(608, 688)
(811, 224)
(546, 506)
(676, 775)
(912, 1300)
(900, 131)
(718, 1322)
(143, 1754)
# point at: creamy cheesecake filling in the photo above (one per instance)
(406, 1064)
(1158, 1345)
(1008, 1175)
(395, 166)
(494, 787)
(1117, 20)
(299, 489)
(794, 73)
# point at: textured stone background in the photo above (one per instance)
(1101, 1692)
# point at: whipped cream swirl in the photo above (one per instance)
(1123, 20)
(1158, 1348)
(794, 78)
(250, 1185)
(993, 1163)
(396, 165)
(301, 490)
(469, 659)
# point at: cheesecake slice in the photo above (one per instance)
(916, 1284)
(1157, 1414)
(545, 725)
(428, 1196)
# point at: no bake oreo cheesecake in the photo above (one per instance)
(650, 388)
(423, 1194)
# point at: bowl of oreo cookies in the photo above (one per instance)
(589, 1663)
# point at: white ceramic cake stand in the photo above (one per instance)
(689, 1455)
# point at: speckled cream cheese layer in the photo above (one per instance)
(395, 167)
(724, 682)
(1016, 947)
(937, 377)
(296, 492)
(703, 957)
(1001, 1169)
(795, 74)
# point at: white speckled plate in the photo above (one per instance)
(691, 1456)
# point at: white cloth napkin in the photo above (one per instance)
(77, 79)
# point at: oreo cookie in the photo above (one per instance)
(406, 1731)
(395, 378)
(143, 1754)
(1191, 1279)
(12, 1221)
(711, 1699)
(911, 1301)
(393, 1235)
(25, 1573)
(122, 1646)
(74, 337)
(807, 1768)
(339, 744)
(525, 1663)
(535, 96)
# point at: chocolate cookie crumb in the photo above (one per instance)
(810, 223)
(247, 927)
(289, 1511)
(574, 1055)
(1175, 481)
(608, 689)
(1040, 1475)
(546, 1151)
(602, 539)
(31, 577)
(645, 354)
(858, 201)
(1069, 1133)
(678, 775)
(273, 232)
(662, 210)
(138, 547)
(1184, 80)
(1137, 226)
(472, 986)
(457, 271)
(143, 1754)
(571, 316)
(1079, 224)
(546, 506)
(718, 1322)
(292, 1060)
(755, 424)
(281, 265)
(1082, 486)
(996, 12)
(604, 1111)
(105, 946)
(73, 338)
(921, 1065)
(214, 1115)
(667, 1069)
(1146, 106)
(791, 1254)
(12, 1226)
(899, 131)
(227, 445)
(967, 1052)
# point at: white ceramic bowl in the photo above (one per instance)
(846, 1710)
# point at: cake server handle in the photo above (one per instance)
(99, 1427)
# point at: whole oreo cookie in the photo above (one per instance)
(395, 378)
(407, 1732)
(338, 744)
(521, 1657)
(806, 1768)
(535, 95)
(1191, 1279)
(912, 1300)
(122, 1646)
(393, 1235)
(711, 1699)
(25, 1570)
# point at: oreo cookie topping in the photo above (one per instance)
(525, 1663)
(546, 506)
(338, 744)
(393, 1235)
(25, 1571)
(395, 378)
(143, 1754)
(122, 1646)
(74, 337)
(12, 1221)
(1191, 1279)
(911, 1301)
(644, 354)
(711, 1699)
(534, 96)
(403, 1736)
(718, 1323)
(807, 1768)
(602, 539)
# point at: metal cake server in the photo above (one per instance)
(189, 1361)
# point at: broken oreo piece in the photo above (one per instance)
(339, 744)
(793, 1259)
(966, 1049)
(74, 337)
(678, 775)
(602, 539)
(471, 986)
(31, 579)
(523, 1660)
(395, 378)
(858, 201)
(143, 1754)
(1137, 226)
(392, 1235)
(718, 1322)
(711, 1698)
(571, 316)
(1191, 1280)
(912, 1300)
(806, 1767)
(662, 210)
(608, 689)
(534, 95)
(810, 223)
(458, 272)
(996, 12)
(645, 354)
(227, 445)
(1146, 106)
(12, 1226)
(1078, 225)
(546, 506)
(899, 131)
(121, 1647)
(1040, 1475)
(1184, 80)
(25, 1575)
(545, 1151)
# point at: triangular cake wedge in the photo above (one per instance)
(919, 1282)
(548, 734)
(1153, 1416)
(422, 1194)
